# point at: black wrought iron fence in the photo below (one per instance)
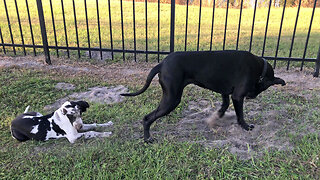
(177, 35)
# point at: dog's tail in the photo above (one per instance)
(152, 73)
(27, 109)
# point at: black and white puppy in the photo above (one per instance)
(64, 122)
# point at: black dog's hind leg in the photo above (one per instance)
(224, 106)
(170, 100)
(238, 106)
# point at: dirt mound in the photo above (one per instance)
(226, 133)
(103, 95)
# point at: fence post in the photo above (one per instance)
(316, 73)
(173, 9)
(43, 32)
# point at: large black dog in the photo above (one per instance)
(239, 73)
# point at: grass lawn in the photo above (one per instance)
(205, 34)
(125, 156)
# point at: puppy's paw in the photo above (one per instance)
(106, 134)
(110, 123)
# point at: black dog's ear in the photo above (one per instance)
(83, 105)
(279, 81)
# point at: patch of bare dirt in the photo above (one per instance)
(102, 95)
(226, 133)
(123, 72)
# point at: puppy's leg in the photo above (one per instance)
(87, 127)
(88, 135)
(93, 134)
(238, 106)
(19, 136)
(170, 100)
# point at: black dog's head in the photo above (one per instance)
(265, 82)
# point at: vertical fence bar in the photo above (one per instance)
(87, 24)
(266, 30)
(122, 31)
(20, 28)
(294, 33)
(316, 73)
(172, 24)
(225, 27)
(213, 9)
(186, 34)
(146, 8)
(54, 28)
(198, 42)
(65, 28)
(134, 31)
(275, 60)
(76, 26)
(252, 29)
(43, 32)
(9, 25)
(99, 31)
(110, 25)
(4, 49)
(239, 25)
(31, 32)
(158, 30)
(306, 46)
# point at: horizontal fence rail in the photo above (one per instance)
(287, 31)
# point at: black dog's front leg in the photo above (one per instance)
(238, 106)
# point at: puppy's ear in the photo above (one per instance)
(279, 81)
(64, 111)
(83, 105)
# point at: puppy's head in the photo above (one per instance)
(73, 110)
(262, 84)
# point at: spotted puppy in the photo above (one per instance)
(64, 122)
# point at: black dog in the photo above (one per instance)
(239, 73)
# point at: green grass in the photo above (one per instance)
(206, 19)
(125, 156)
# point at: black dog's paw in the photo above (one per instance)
(150, 140)
(247, 127)
(251, 126)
